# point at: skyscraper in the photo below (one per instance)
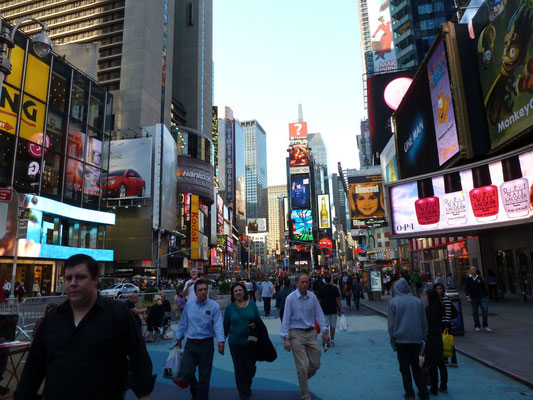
(317, 148)
(415, 27)
(256, 170)
(275, 216)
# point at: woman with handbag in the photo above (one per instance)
(450, 313)
(434, 346)
(240, 330)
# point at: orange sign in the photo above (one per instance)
(298, 130)
(195, 227)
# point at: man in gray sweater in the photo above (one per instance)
(408, 330)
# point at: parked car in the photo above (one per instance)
(120, 288)
(123, 183)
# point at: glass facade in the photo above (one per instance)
(52, 143)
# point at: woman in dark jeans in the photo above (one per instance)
(434, 346)
(238, 318)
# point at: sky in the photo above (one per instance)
(270, 56)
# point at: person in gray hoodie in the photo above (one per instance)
(408, 329)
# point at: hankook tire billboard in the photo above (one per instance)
(196, 177)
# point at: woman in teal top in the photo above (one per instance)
(238, 317)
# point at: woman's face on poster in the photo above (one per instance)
(367, 203)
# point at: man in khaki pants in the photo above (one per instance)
(298, 331)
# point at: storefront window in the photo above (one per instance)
(80, 88)
(52, 174)
(56, 128)
(97, 108)
(88, 238)
(28, 166)
(7, 148)
(59, 88)
(73, 179)
(50, 230)
(70, 233)
(76, 139)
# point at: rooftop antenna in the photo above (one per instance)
(300, 113)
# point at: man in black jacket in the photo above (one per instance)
(476, 294)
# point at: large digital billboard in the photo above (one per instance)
(379, 21)
(442, 104)
(365, 195)
(385, 93)
(300, 191)
(298, 154)
(196, 176)
(130, 169)
(302, 225)
(479, 196)
(168, 181)
(504, 50)
(387, 160)
(257, 225)
(297, 130)
(324, 217)
(415, 133)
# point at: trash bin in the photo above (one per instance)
(458, 325)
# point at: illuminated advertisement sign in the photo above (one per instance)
(230, 162)
(379, 20)
(387, 160)
(484, 195)
(257, 225)
(323, 211)
(365, 195)
(195, 227)
(168, 182)
(220, 214)
(302, 225)
(326, 243)
(300, 191)
(504, 50)
(286, 212)
(130, 169)
(298, 130)
(197, 177)
(385, 93)
(298, 155)
(415, 132)
(442, 104)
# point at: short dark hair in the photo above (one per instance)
(200, 282)
(232, 297)
(327, 278)
(300, 275)
(78, 259)
(287, 282)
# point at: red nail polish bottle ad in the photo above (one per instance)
(484, 196)
(427, 206)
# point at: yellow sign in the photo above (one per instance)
(195, 227)
(32, 110)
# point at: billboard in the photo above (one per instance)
(379, 21)
(385, 93)
(302, 225)
(387, 160)
(300, 191)
(297, 130)
(365, 195)
(130, 169)
(197, 177)
(230, 162)
(415, 132)
(442, 104)
(323, 212)
(299, 154)
(480, 196)
(257, 225)
(504, 50)
(195, 227)
(168, 182)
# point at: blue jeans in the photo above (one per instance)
(201, 355)
(484, 310)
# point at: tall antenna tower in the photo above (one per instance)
(300, 113)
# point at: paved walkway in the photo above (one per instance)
(509, 347)
(360, 366)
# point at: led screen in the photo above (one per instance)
(257, 225)
(298, 155)
(484, 195)
(302, 225)
(300, 191)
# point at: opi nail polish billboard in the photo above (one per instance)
(514, 189)
(454, 200)
(484, 196)
(427, 206)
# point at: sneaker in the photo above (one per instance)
(478, 328)
(331, 343)
(487, 329)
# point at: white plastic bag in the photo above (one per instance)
(172, 364)
(342, 323)
(169, 334)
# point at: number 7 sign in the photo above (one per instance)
(298, 130)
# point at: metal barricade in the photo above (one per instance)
(32, 308)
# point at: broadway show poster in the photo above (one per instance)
(442, 104)
(382, 39)
(503, 40)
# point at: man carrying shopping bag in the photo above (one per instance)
(202, 321)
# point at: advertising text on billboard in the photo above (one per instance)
(230, 162)
(365, 195)
(382, 41)
(195, 227)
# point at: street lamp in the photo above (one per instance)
(41, 43)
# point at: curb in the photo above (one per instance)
(495, 366)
